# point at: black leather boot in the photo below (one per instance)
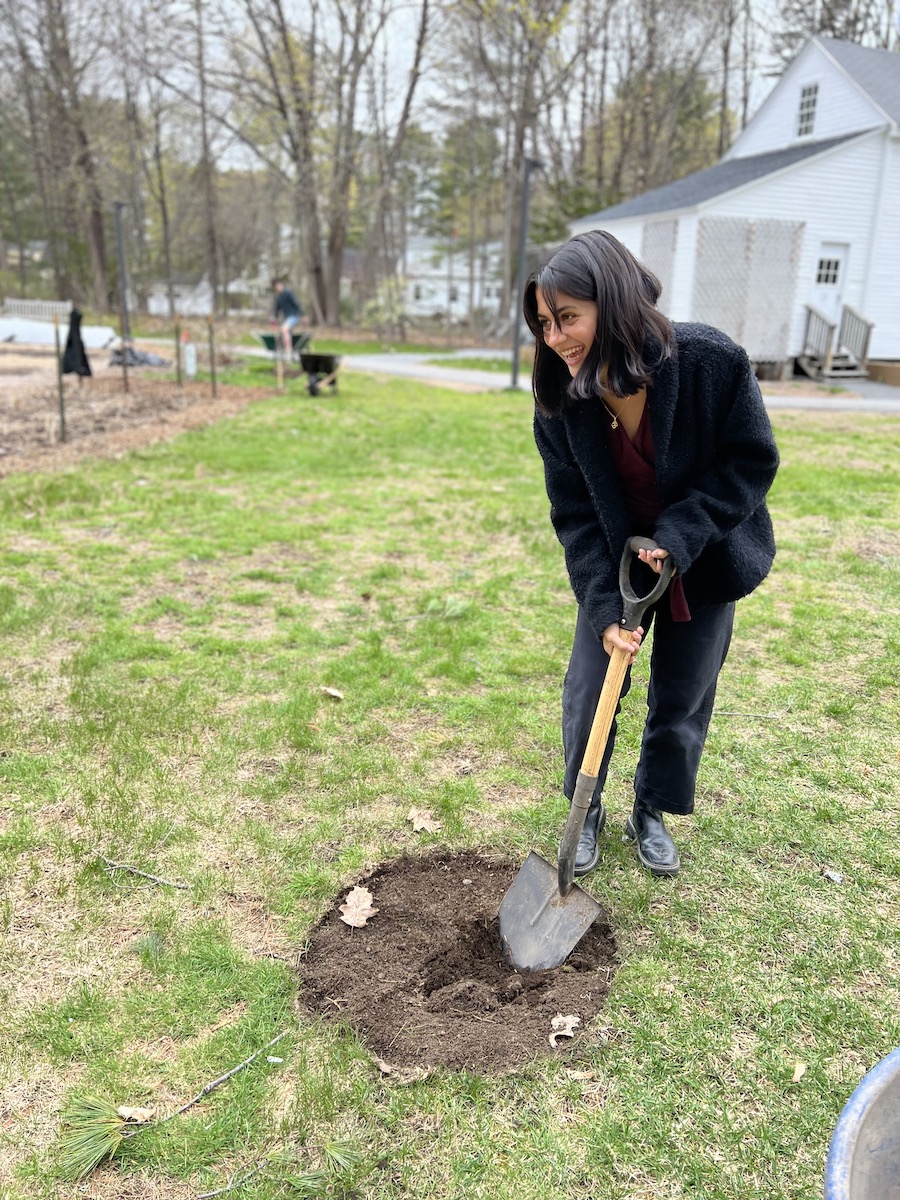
(587, 853)
(655, 847)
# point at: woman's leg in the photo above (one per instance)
(685, 663)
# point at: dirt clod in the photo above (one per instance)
(424, 983)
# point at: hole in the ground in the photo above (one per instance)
(424, 983)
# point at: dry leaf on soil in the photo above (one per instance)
(422, 821)
(563, 1027)
(357, 908)
(402, 1075)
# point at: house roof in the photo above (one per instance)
(875, 72)
(725, 177)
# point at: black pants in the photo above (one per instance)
(685, 662)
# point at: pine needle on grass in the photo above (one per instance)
(92, 1132)
(93, 1129)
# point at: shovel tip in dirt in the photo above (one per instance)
(539, 927)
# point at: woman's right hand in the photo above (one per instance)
(613, 639)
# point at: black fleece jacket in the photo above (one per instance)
(715, 461)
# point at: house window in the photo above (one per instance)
(828, 270)
(806, 116)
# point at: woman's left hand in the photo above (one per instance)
(654, 558)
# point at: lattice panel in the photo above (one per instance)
(658, 240)
(775, 248)
(745, 279)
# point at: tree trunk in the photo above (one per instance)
(206, 166)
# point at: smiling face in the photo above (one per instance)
(571, 331)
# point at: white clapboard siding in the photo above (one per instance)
(834, 196)
(747, 257)
(879, 299)
(841, 107)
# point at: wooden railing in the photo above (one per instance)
(818, 341)
(854, 335)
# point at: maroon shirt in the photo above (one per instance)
(635, 463)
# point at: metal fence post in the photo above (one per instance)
(531, 164)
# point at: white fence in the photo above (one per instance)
(42, 310)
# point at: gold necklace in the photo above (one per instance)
(615, 416)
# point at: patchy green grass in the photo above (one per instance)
(171, 622)
(467, 362)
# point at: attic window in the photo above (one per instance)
(806, 116)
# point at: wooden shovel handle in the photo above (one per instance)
(606, 708)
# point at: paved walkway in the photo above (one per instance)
(861, 395)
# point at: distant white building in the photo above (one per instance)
(195, 298)
(449, 287)
(791, 244)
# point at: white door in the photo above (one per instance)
(828, 285)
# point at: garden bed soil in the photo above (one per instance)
(102, 419)
(424, 983)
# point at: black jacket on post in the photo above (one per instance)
(75, 359)
(715, 460)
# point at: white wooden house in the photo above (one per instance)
(449, 286)
(791, 244)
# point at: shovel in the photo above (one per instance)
(544, 914)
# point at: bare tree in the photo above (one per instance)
(53, 46)
(206, 163)
(385, 209)
(514, 42)
(296, 81)
(862, 21)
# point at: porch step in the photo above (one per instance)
(841, 368)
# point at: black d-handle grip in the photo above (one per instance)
(635, 606)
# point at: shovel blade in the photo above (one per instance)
(539, 928)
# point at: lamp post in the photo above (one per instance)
(531, 164)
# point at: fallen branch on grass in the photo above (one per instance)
(94, 1129)
(211, 1087)
(114, 866)
(235, 1181)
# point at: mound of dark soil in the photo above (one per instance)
(424, 982)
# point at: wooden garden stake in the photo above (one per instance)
(59, 381)
(212, 354)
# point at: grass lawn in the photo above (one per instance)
(500, 366)
(170, 623)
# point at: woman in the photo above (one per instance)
(654, 428)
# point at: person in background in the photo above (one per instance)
(654, 428)
(288, 313)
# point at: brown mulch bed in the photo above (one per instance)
(102, 420)
(424, 982)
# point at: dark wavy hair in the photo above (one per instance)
(633, 337)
